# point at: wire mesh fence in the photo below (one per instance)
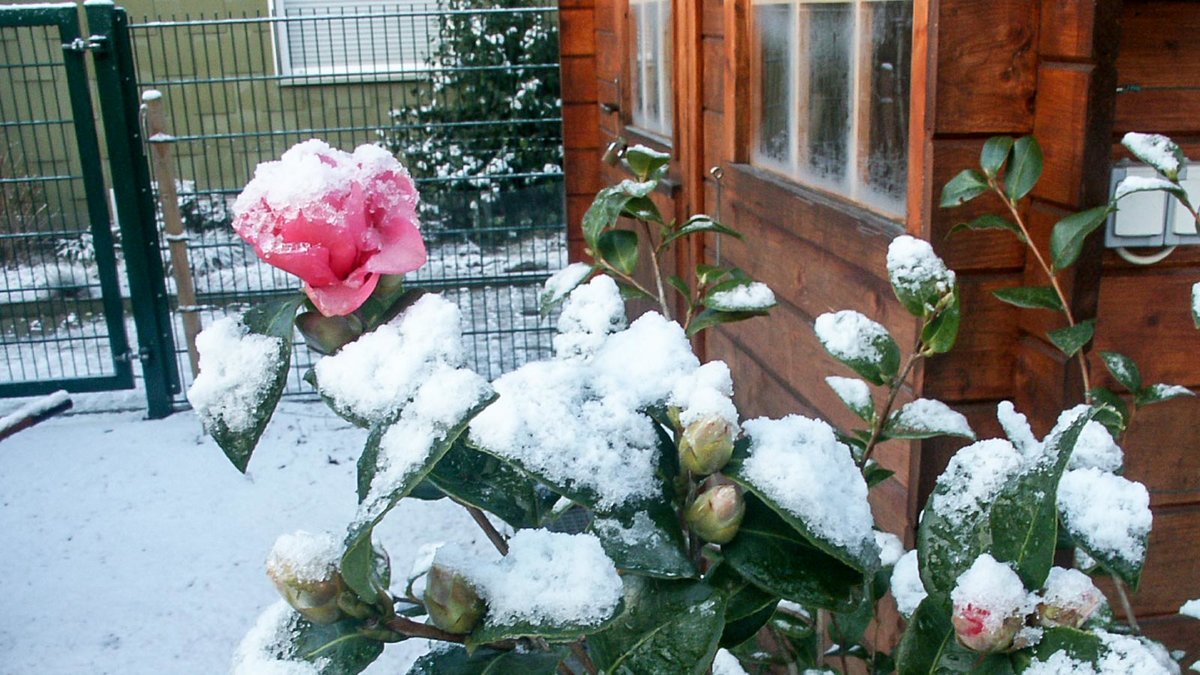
(466, 98)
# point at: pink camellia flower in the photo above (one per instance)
(336, 220)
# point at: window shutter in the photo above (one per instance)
(332, 37)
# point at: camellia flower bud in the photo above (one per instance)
(990, 604)
(716, 514)
(706, 445)
(1069, 599)
(451, 601)
(304, 569)
(327, 334)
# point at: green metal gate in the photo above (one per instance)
(62, 322)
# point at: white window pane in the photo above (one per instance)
(891, 50)
(826, 105)
(774, 82)
(650, 63)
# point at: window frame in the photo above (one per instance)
(855, 186)
(283, 57)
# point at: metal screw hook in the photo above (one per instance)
(718, 173)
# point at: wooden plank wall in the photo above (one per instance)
(1144, 314)
(986, 67)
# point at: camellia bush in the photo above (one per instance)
(639, 524)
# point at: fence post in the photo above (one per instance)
(119, 108)
(160, 140)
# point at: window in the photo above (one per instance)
(650, 61)
(350, 37)
(830, 84)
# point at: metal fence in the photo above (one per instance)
(485, 153)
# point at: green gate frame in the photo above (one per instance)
(116, 89)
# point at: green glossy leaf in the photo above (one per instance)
(1024, 515)
(1025, 169)
(387, 303)
(336, 649)
(359, 534)
(875, 474)
(680, 285)
(606, 209)
(479, 479)
(710, 274)
(1156, 393)
(647, 163)
(646, 539)
(1068, 235)
(273, 319)
(1072, 338)
(485, 661)
(642, 208)
(964, 187)
(1079, 645)
(1123, 370)
(939, 333)
(1112, 412)
(1158, 151)
(859, 343)
(712, 317)
(738, 631)
(366, 569)
(862, 560)
(619, 248)
(994, 154)
(700, 223)
(669, 627)
(747, 609)
(777, 558)
(948, 542)
(929, 647)
(1030, 297)
(848, 627)
(989, 221)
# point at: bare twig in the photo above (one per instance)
(484, 524)
(1125, 604)
(881, 418)
(406, 626)
(580, 653)
(655, 263)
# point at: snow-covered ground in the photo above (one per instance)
(130, 546)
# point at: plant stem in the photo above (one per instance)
(626, 278)
(486, 525)
(1049, 272)
(1125, 604)
(894, 390)
(580, 653)
(406, 626)
(658, 280)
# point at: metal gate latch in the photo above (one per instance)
(97, 43)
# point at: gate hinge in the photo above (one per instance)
(96, 43)
(143, 354)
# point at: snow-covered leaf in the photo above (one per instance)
(646, 540)
(799, 468)
(1123, 370)
(1025, 168)
(926, 418)
(964, 187)
(863, 345)
(1132, 184)
(606, 209)
(1109, 517)
(485, 661)
(668, 627)
(918, 276)
(561, 283)
(1072, 338)
(700, 223)
(1024, 516)
(1155, 393)
(244, 367)
(780, 559)
(282, 641)
(1030, 297)
(740, 296)
(855, 393)
(1156, 150)
(1196, 303)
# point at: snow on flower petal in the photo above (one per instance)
(336, 220)
(237, 368)
(990, 604)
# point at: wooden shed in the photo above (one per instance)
(833, 125)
